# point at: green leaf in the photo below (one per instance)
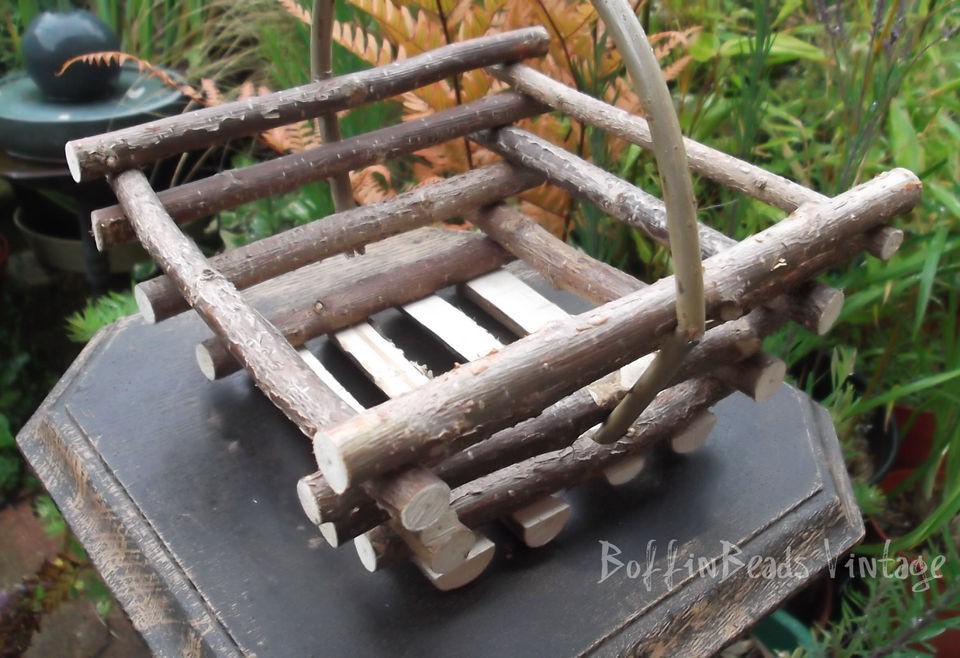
(927, 276)
(935, 628)
(705, 47)
(897, 392)
(785, 48)
(903, 137)
(944, 196)
(786, 11)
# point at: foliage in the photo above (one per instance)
(23, 383)
(98, 313)
(383, 30)
(259, 219)
(899, 612)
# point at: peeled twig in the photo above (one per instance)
(344, 516)
(681, 204)
(321, 68)
(661, 370)
(344, 292)
(678, 197)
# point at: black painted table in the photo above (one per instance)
(183, 492)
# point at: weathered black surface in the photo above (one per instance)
(183, 491)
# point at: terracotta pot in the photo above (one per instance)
(921, 428)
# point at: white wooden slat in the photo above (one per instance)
(383, 361)
(327, 378)
(453, 327)
(512, 302)
(523, 310)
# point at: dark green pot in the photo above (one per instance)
(53, 38)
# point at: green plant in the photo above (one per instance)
(98, 313)
(902, 607)
(259, 219)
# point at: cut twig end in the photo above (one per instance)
(96, 225)
(625, 471)
(366, 553)
(478, 559)
(144, 304)
(73, 162)
(309, 502)
(830, 313)
(694, 435)
(331, 463)
(329, 532)
(539, 523)
(205, 361)
(885, 242)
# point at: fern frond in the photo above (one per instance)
(363, 45)
(211, 93)
(672, 40)
(460, 12)
(372, 184)
(397, 23)
(113, 57)
(296, 10)
(438, 96)
(247, 90)
(673, 70)
(475, 20)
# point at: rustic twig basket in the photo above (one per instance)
(495, 437)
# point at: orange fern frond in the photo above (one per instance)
(475, 20)
(460, 12)
(211, 93)
(674, 70)
(372, 184)
(113, 57)
(363, 45)
(414, 106)
(438, 96)
(671, 41)
(396, 23)
(247, 90)
(296, 10)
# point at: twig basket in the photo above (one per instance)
(495, 437)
